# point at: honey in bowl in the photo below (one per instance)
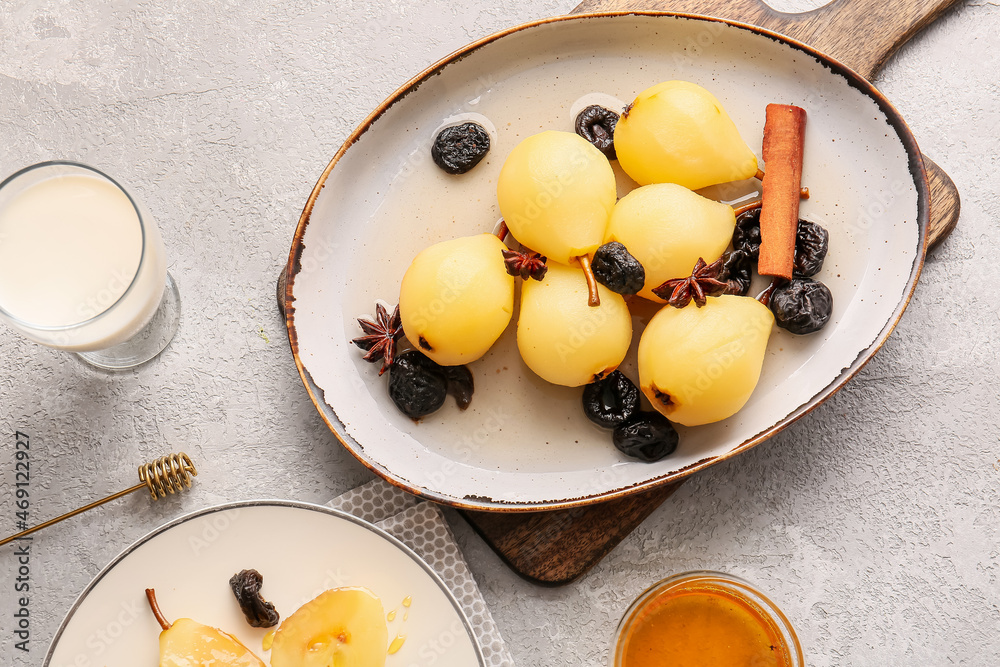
(705, 619)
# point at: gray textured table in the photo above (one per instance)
(873, 521)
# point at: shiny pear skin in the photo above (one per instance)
(678, 132)
(700, 365)
(190, 644)
(342, 627)
(456, 298)
(556, 191)
(564, 340)
(668, 228)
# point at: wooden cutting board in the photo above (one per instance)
(554, 548)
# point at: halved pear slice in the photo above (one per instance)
(342, 627)
(187, 643)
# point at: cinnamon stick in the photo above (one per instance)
(784, 139)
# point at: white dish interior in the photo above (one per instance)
(524, 442)
(301, 550)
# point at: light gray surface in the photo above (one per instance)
(873, 521)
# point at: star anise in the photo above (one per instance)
(703, 282)
(525, 264)
(381, 336)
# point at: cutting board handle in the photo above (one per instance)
(860, 33)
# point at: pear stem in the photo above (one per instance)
(594, 297)
(151, 597)
(740, 210)
(803, 192)
(501, 232)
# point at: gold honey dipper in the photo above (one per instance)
(168, 474)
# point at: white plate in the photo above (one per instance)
(300, 549)
(524, 444)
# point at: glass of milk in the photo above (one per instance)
(82, 266)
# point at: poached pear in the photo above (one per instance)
(561, 338)
(556, 191)
(678, 132)
(342, 627)
(186, 643)
(456, 298)
(668, 228)
(700, 365)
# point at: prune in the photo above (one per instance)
(418, 385)
(648, 436)
(415, 386)
(615, 268)
(459, 148)
(597, 125)
(246, 585)
(460, 384)
(736, 272)
(611, 401)
(811, 244)
(803, 306)
(746, 236)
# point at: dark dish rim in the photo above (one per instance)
(482, 503)
(322, 509)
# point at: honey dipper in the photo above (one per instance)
(168, 474)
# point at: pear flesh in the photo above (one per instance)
(556, 191)
(561, 338)
(700, 365)
(668, 228)
(678, 132)
(187, 643)
(342, 627)
(456, 298)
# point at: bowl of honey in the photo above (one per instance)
(702, 619)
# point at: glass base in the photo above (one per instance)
(149, 342)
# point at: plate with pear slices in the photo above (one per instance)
(344, 593)
(522, 344)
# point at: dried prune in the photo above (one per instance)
(246, 585)
(615, 268)
(802, 306)
(597, 125)
(460, 384)
(416, 386)
(811, 244)
(459, 148)
(611, 401)
(736, 267)
(746, 236)
(648, 436)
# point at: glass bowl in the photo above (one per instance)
(704, 618)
